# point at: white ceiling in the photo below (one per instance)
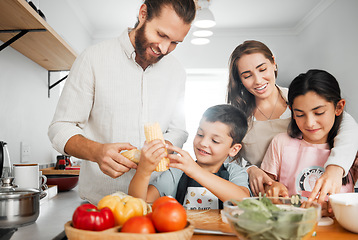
(109, 17)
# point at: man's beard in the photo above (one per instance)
(141, 44)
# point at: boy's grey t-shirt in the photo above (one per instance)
(167, 182)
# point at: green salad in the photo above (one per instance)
(261, 219)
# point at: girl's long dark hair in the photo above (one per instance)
(325, 85)
(237, 94)
(322, 83)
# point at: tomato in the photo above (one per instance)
(149, 215)
(169, 216)
(89, 217)
(138, 224)
(161, 200)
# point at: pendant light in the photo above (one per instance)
(204, 20)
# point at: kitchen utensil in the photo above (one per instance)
(114, 233)
(64, 182)
(345, 209)
(213, 232)
(5, 163)
(63, 162)
(27, 175)
(18, 206)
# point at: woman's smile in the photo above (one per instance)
(261, 88)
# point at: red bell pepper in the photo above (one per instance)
(89, 217)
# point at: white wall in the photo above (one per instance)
(330, 42)
(217, 53)
(25, 109)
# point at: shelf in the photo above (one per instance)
(44, 47)
(52, 171)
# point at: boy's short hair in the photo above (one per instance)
(233, 117)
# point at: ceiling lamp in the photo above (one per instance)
(204, 17)
(202, 33)
(200, 41)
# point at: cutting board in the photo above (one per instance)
(208, 220)
(52, 171)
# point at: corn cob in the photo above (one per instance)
(152, 132)
(133, 155)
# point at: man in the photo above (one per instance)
(117, 86)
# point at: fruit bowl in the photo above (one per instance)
(114, 233)
(345, 209)
(272, 218)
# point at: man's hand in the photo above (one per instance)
(111, 162)
(258, 178)
(107, 156)
(329, 183)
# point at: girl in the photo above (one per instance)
(296, 159)
(252, 87)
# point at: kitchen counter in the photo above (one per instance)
(53, 216)
(57, 211)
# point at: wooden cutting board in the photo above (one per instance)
(53, 171)
(208, 220)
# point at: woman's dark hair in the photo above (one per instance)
(325, 85)
(237, 94)
(233, 117)
(185, 9)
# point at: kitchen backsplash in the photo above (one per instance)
(41, 166)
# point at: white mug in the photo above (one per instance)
(28, 175)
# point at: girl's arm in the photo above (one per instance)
(151, 154)
(339, 161)
(345, 144)
(223, 189)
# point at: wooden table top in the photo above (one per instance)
(211, 220)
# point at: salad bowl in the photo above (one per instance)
(272, 218)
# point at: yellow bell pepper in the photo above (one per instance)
(122, 208)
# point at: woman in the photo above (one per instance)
(252, 87)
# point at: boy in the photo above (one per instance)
(208, 182)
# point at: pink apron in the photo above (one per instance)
(302, 165)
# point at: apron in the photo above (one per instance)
(302, 166)
(193, 196)
(260, 134)
(258, 138)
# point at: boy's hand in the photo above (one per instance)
(151, 154)
(258, 178)
(182, 161)
(276, 189)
